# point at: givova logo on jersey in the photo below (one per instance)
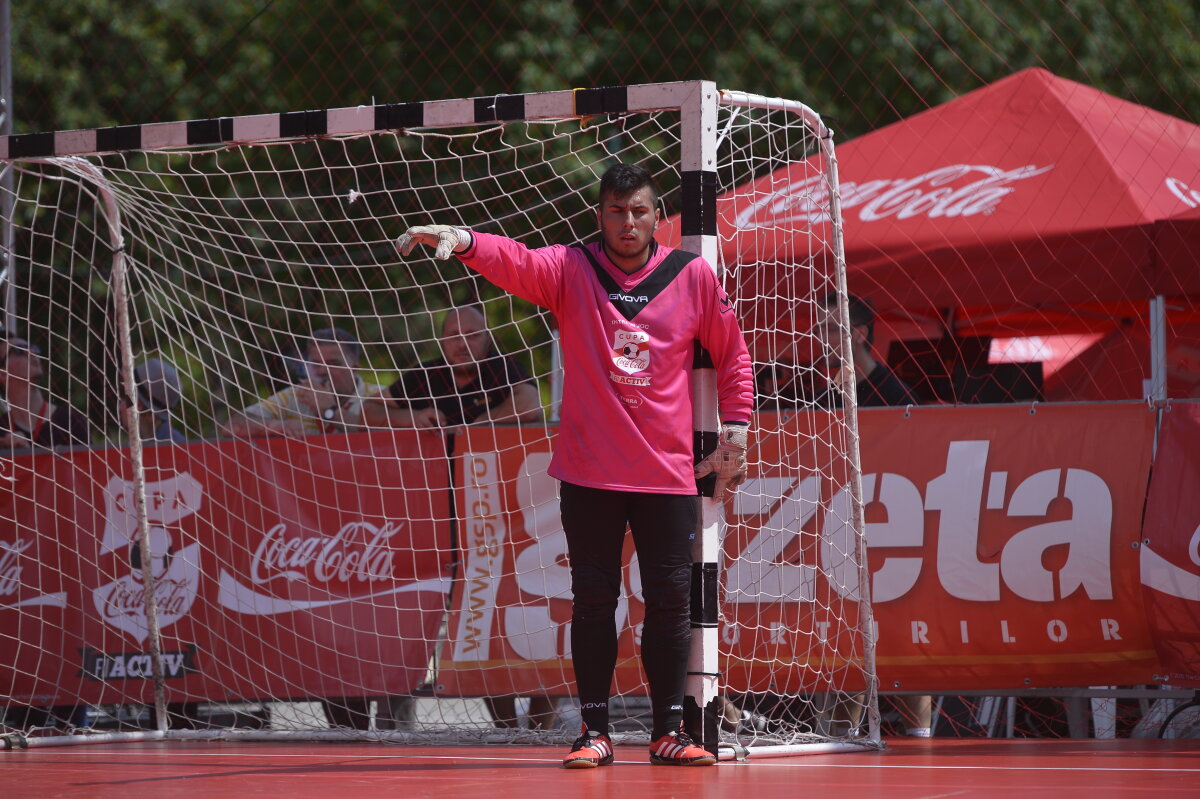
(631, 350)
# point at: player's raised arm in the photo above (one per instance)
(447, 240)
(531, 274)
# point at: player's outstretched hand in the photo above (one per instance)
(446, 238)
(728, 460)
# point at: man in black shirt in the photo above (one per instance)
(875, 383)
(470, 382)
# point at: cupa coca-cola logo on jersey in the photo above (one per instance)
(957, 190)
(631, 350)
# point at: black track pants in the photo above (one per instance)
(664, 527)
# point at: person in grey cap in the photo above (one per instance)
(158, 392)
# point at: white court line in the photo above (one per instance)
(772, 763)
(761, 763)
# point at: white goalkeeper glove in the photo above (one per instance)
(728, 460)
(446, 238)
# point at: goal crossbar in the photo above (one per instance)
(365, 119)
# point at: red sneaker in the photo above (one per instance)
(678, 749)
(590, 749)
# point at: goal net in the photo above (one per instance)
(217, 516)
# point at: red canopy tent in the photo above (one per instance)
(1027, 206)
(1115, 366)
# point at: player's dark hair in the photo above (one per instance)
(622, 180)
(335, 335)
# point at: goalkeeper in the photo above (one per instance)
(631, 314)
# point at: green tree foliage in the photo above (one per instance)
(861, 63)
(864, 63)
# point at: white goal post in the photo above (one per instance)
(341, 573)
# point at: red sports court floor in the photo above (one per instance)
(909, 768)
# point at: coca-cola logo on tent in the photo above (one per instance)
(957, 190)
(1184, 192)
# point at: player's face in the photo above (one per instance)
(627, 226)
(327, 365)
(464, 339)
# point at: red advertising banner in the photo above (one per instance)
(791, 605)
(1002, 547)
(1170, 547)
(510, 613)
(1005, 550)
(1003, 544)
(316, 567)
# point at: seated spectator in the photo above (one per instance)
(31, 419)
(875, 385)
(328, 400)
(874, 382)
(158, 392)
(471, 382)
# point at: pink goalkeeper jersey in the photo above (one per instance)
(628, 342)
